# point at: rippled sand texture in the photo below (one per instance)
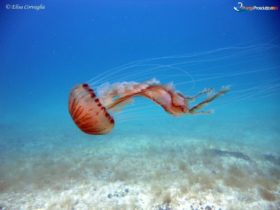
(55, 169)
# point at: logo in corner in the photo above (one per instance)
(242, 8)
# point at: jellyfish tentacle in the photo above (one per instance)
(203, 92)
(194, 109)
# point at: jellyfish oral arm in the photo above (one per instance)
(159, 94)
(194, 109)
(171, 101)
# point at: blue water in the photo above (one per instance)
(151, 160)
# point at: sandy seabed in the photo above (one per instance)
(136, 172)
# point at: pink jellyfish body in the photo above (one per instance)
(91, 114)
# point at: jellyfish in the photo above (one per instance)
(94, 111)
(91, 112)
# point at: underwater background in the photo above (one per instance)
(151, 160)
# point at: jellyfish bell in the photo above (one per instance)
(87, 111)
